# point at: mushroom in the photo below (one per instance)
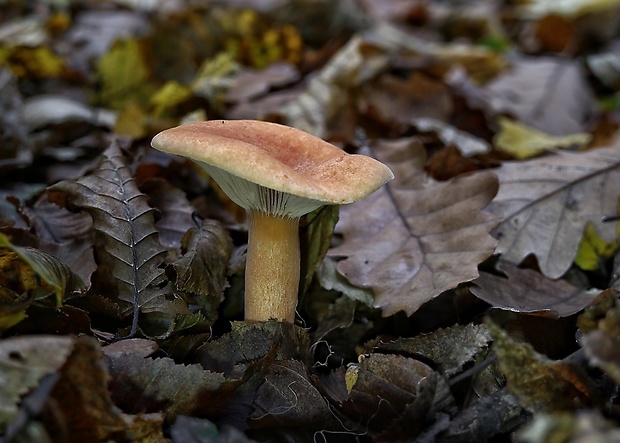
(277, 174)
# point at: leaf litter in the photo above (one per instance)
(121, 270)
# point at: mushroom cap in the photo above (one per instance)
(275, 157)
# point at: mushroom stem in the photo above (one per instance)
(272, 267)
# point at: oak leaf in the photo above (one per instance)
(549, 94)
(546, 203)
(418, 238)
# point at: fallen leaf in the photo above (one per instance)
(140, 385)
(416, 238)
(528, 291)
(201, 270)
(545, 93)
(523, 142)
(176, 212)
(389, 395)
(328, 91)
(288, 399)
(467, 144)
(567, 8)
(125, 224)
(251, 341)
(601, 344)
(593, 251)
(24, 361)
(331, 279)
(449, 349)
(37, 271)
(124, 74)
(250, 84)
(545, 203)
(547, 385)
(395, 101)
(198, 430)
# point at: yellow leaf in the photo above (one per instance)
(524, 142)
(37, 273)
(593, 250)
(123, 74)
(168, 96)
(37, 62)
(350, 376)
(9, 320)
(131, 121)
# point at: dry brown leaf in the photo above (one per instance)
(549, 94)
(125, 224)
(174, 207)
(545, 204)
(419, 238)
(528, 291)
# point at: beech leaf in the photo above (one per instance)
(545, 204)
(126, 225)
(418, 238)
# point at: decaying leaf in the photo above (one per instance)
(389, 395)
(547, 385)
(201, 270)
(329, 90)
(416, 238)
(288, 399)
(175, 210)
(527, 291)
(36, 272)
(75, 383)
(602, 344)
(249, 342)
(199, 430)
(140, 384)
(396, 101)
(24, 361)
(545, 204)
(125, 224)
(66, 235)
(448, 348)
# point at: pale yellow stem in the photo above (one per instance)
(272, 268)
